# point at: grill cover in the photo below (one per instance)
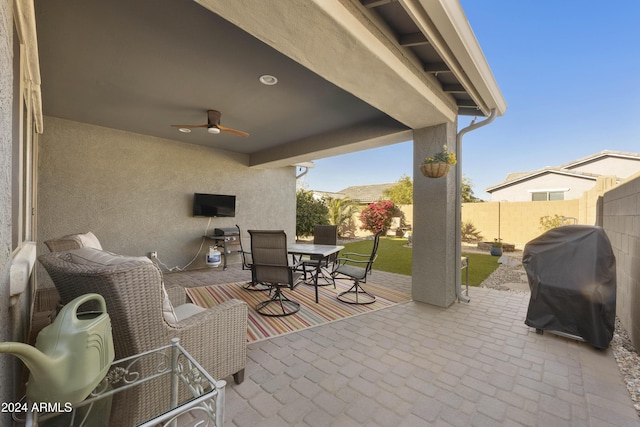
(572, 277)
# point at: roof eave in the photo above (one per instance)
(538, 173)
(458, 45)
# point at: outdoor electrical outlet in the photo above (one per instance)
(153, 254)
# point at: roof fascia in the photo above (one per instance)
(598, 156)
(540, 173)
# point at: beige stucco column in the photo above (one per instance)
(434, 221)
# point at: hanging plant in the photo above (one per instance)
(439, 164)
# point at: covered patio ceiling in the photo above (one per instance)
(351, 74)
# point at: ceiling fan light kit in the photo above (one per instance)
(213, 125)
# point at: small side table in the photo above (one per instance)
(177, 367)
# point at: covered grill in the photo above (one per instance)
(572, 277)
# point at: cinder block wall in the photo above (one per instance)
(515, 222)
(621, 221)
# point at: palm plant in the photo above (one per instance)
(340, 212)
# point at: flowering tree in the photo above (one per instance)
(377, 216)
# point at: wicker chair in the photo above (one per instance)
(271, 267)
(133, 291)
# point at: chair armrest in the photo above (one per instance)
(347, 254)
(177, 295)
(342, 260)
(216, 338)
(247, 260)
(291, 266)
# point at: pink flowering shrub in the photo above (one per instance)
(377, 216)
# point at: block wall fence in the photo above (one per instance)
(621, 221)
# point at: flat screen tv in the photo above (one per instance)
(214, 205)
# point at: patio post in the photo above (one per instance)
(435, 267)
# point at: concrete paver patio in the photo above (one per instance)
(412, 364)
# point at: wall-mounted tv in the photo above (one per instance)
(214, 205)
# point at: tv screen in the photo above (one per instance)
(213, 205)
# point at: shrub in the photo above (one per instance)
(548, 222)
(469, 232)
(378, 215)
(309, 213)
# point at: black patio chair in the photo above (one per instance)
(356, 267)
(323, 266)
(247, 261)
(271, 267)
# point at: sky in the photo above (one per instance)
(569, 72)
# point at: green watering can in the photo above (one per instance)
(71, 356)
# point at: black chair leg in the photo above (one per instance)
(284, 306)
(356, 295)
(255, 286)
(327, 277)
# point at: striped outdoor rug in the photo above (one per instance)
(311, 314)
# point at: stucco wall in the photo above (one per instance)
(521, 192)
(135, 192)
(622, 168)
(435, 266)
(621, 221)
(6, 89)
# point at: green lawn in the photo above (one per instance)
(394, 257)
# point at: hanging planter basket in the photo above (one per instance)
(435, 170)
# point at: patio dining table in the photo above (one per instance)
(312, 249)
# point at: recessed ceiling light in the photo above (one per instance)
(269, 80)
(184, 130)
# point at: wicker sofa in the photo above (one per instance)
(137, 305)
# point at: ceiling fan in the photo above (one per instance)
(214, 126)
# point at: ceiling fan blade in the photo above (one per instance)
(233, 131)
(190, 126)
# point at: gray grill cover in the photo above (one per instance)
(572, 277)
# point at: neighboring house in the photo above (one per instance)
(360, 194)
(365, 194)
(565, 182)
(319, 195)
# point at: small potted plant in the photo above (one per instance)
(496, 247)
(438, 165)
